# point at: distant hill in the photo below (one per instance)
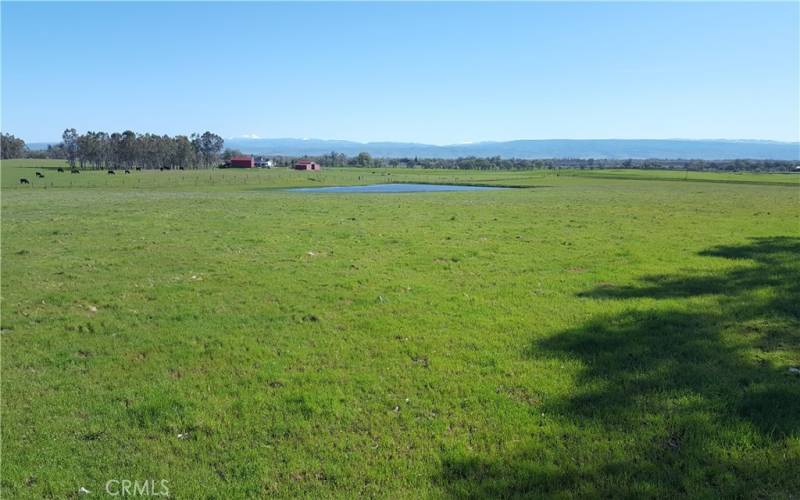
(717, 149)
(533, 149)
(39, 146)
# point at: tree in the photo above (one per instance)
(56, 152)
(184, 152)
(363, 160)
(129, 150)
(12, 147)
(70, 138)
(230, 153)
(209, 145)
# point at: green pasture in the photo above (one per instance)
(592, 334)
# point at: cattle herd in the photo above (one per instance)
(40, 175)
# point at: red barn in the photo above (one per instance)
(242, 162)
(306, 165)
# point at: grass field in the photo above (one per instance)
(603, 333)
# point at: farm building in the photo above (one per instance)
(242, 162)
(306, 165)
(263, 162)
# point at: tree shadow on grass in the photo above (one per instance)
(695, 398)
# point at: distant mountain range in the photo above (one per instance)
(533, 149)
(711, 149)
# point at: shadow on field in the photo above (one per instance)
(688, 403)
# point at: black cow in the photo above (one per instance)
(61, 170)
(111, 172)
(24, 181)
(138, 168)
(40, 175)
(74, 171)
(180, 168)
(127, 171)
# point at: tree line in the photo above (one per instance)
(101, 150)
(335, 159)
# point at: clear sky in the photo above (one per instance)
(435, 73)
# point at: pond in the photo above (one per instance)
(395, 188)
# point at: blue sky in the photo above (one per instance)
(436, 73)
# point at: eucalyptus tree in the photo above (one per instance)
(129, 151)
(12, 147)
(208, 147)
(70, 140)
(184, 152)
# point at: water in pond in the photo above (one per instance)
(394, 188)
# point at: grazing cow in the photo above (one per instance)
(111, 172)
(24, 181)
(40, 175)
(180, 168)
(127, 171)
(74, 171)
(61, 170)
(138, 169)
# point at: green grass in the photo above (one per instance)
(592, 336)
